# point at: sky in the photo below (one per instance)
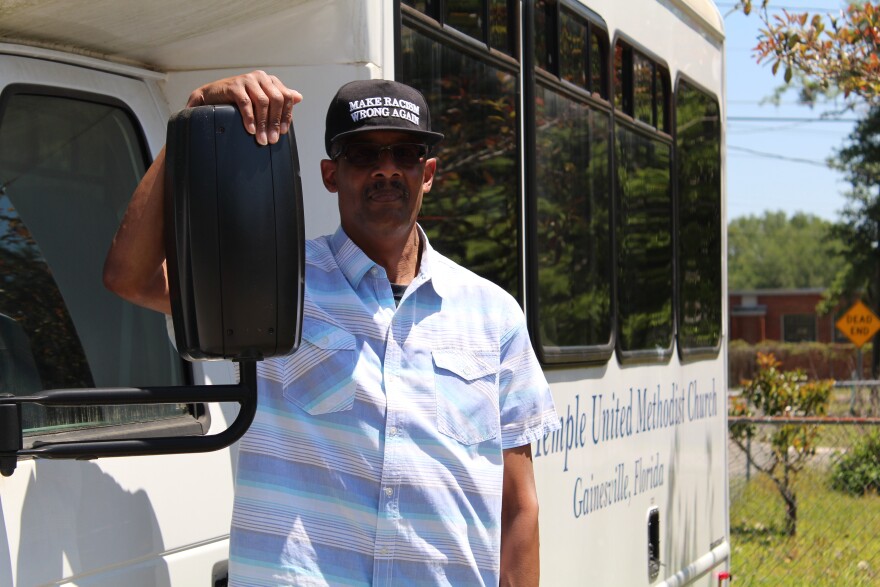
(776, 155)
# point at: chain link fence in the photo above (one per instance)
(804, 503)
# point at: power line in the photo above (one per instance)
(763, 101)
(787, 119)
(777, 156)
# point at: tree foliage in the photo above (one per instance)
(774, 392)
(859, 225)
(836, 52)
(778, 251)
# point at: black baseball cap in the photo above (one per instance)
(378, 104)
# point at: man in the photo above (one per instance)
(393, 448)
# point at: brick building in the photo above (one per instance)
(787, 315)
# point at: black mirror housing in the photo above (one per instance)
(234, 238)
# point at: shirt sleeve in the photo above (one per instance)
(526, 405)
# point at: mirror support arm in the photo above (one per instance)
(244, 393)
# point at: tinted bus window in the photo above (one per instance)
(641, 87)
(465, 16)
(573, 49)
(698, 158)
(599, 63)
(471, 213)
(644, 242)
(67, 169)
(571, 208)
(545, 35)
(573, 223)
(501, 27)
(643, 192)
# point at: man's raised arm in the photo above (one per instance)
(135, 266)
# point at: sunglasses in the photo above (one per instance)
(367, 154)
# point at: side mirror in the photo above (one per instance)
(235, 251)
(234, 238)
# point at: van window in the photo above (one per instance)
(698, 162)
(572, 188)
(68, 166)
(643, 193)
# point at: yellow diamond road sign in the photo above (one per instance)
(859, 324)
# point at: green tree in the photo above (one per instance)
(780, 393)
(778, 251)
(834, 52)
(859, 225)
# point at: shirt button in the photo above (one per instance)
(393, 431)
(388, 491)
(374, 271)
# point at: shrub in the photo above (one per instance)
(774, 392)
(858, 471)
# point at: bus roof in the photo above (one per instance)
(169, 35)
(704, 10)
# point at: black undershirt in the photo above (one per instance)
(397, 292)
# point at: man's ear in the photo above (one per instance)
(328, 174)
(428, 177)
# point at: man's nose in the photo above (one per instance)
(386, 165)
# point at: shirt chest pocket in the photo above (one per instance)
(322, 370)
(466, 390)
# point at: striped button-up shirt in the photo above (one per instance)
(375, 457)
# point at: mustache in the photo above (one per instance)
(385, 184)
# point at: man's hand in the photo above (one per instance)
(265, 103)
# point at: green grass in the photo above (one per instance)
(835, 533)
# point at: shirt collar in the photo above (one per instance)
(350, 259)
(354, 263)
(432, 267)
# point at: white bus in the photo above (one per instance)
(582, 171)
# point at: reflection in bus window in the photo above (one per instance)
(643, 193)
(501, 29)
(571, 207)
(623, 69)
(420, 5)
(698, 159)
(67, 170)
(661, 99)
(643, 89)
(465, 16)
(644, 241)
(471, 213)
(44, 334)
(573, 222)
(598, 63)
(545, 35)
(573, 49)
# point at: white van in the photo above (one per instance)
(582, 171)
